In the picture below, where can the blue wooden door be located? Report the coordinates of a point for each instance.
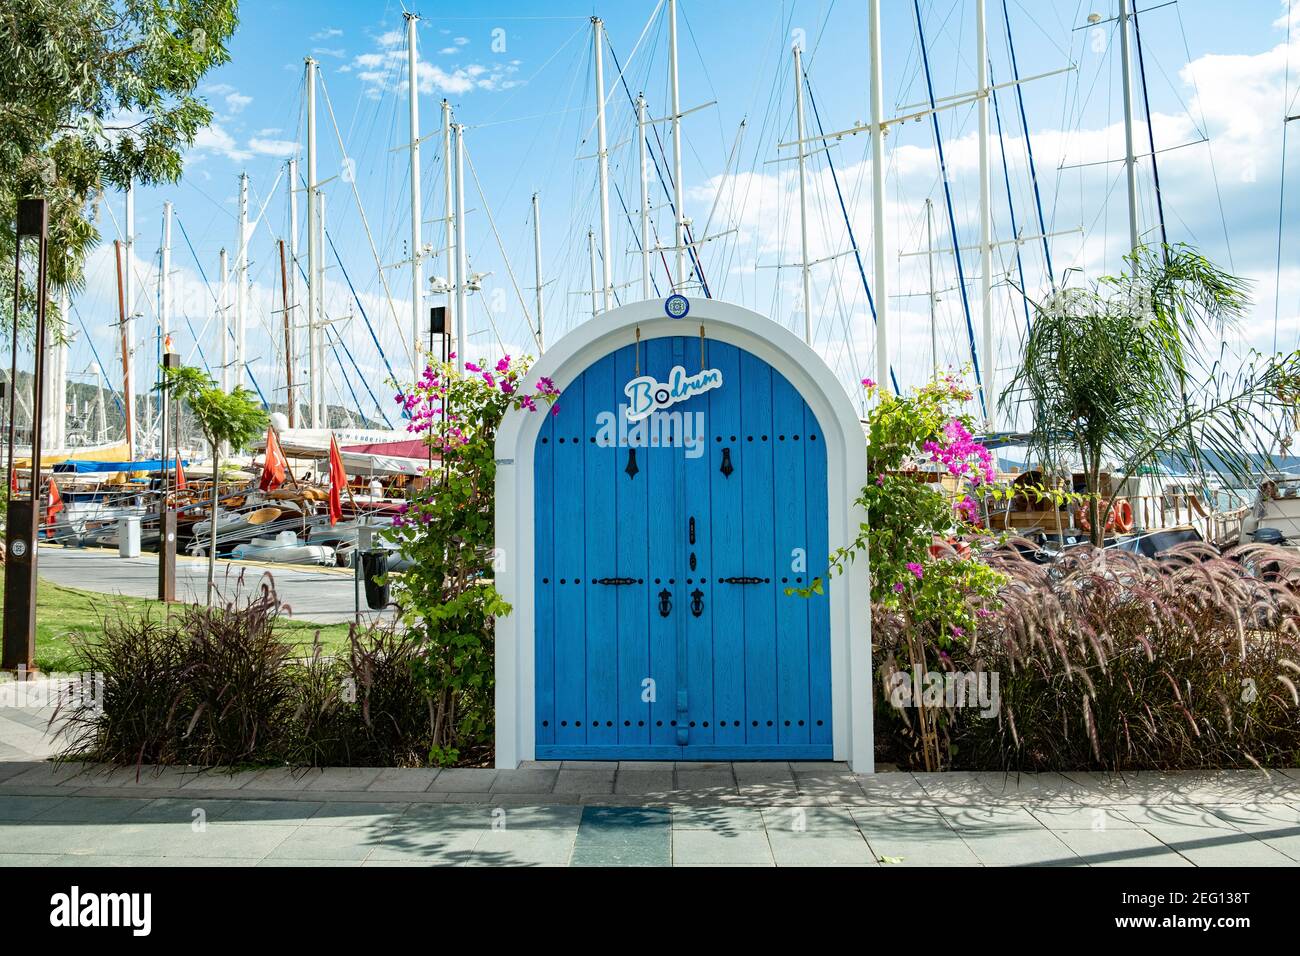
(663, 552)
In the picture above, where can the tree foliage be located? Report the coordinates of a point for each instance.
(95, 94)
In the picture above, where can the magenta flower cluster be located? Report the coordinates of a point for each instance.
(962, 455)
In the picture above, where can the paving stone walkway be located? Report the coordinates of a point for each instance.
(657, 814)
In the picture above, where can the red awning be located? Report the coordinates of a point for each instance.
(409, 448)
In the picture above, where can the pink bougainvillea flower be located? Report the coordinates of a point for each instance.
(958, 631)
(868, 383)
(916, 569)
(898, 588)
(504, 364)
(471, 367)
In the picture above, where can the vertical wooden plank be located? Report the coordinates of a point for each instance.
(754, 469)
(570, 542)
(600, 395)
(791, 557)
(661, 488)
(698, 460)
(819, 619)
(633, 528)
(726, 550)
(544, 586)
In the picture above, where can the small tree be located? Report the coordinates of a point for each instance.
(1133, 367)
(226, 418)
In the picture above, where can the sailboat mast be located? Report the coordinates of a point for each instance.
(313, 252)
(645, 197)
(417, 247)
(448, 206)
(1130, 158)
(241, 278)
(985, 213)
(461, 263)
(929, 256)
(126, 282)
(288, 335)
(320, 410)
(291, 308)
(803, 192)
(223, 320)
(591, 254)
(878, 194)
(537, 272)
(602, 160)
(128, 405)
(679, 231)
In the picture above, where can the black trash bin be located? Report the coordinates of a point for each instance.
(374, 564)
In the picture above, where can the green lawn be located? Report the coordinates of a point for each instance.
(64, 614)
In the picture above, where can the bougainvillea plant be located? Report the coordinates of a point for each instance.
(914, 441)
(445, 529)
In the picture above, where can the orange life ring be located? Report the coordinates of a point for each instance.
(1124, 521)
(1085, 522)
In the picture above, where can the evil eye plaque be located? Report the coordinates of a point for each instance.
(677, 306)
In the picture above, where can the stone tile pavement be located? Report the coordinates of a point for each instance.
(607, 814)
(674, 814)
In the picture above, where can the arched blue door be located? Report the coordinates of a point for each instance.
(663, 552)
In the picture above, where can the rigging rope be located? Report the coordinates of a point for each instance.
(857, 254)
(952, 219)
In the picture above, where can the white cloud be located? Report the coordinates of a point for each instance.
(273, 147)
(327, 34)
(215, 139)
(234, 100)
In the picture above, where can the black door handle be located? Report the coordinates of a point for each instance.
(617, 581)
(697, 602)
(665, 602)
(744, 580)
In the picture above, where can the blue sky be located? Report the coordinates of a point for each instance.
(519, 77)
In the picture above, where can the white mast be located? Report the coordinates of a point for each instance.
(537, 271)
(461, 278)
(934, 299)
(878, 195)
(986, 215)
(291, 399)
(449, 209)
(595, 290)
(128, 292)
(645, 197)
(1130, 160)
(602, 159)
(803, 193)
(680, 223)
(54, 384)
(314, 289)
(320, 410)
(417, 248)
(223, 320)
(99, 401)
(164, 301)
(241, 277)
(165, 278)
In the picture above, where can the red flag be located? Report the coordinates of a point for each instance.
(274, 465)
(180, 476)
(54, 506)
(13, 480)
(338, 481)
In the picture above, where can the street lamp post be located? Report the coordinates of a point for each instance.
(21, 522)
(167, 514)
